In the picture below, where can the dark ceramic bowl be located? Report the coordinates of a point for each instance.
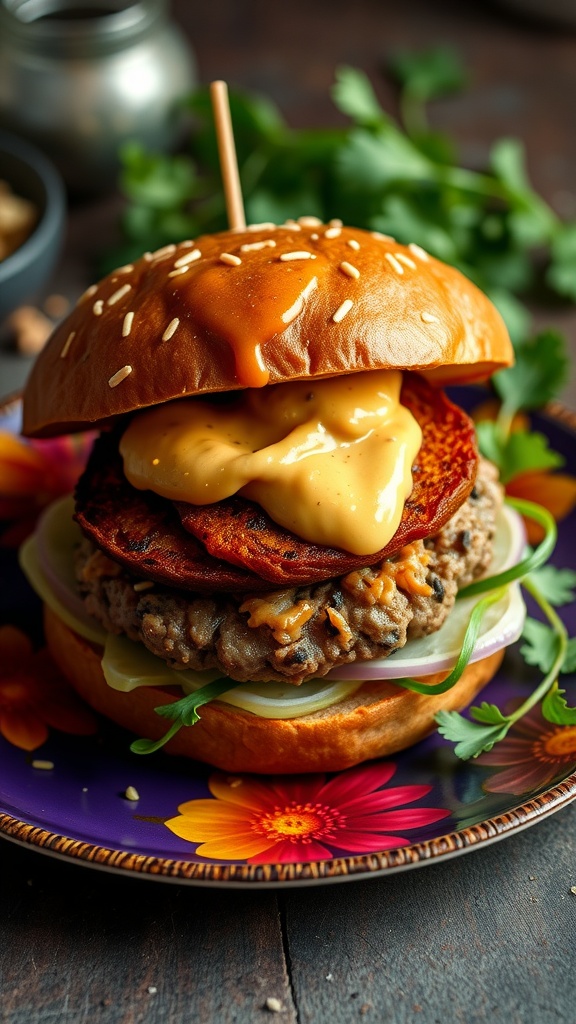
(33, 177)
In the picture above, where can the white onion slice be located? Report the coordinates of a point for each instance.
(79, 621)
(57, 537)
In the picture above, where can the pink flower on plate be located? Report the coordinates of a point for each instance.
(303, 818)
(533, 753)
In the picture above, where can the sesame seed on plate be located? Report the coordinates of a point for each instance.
(44, 766)
(127, 324)
(394, 263)
(131, 793)
(119, 294)
(418, 251)
(342, 311)
(298, 254)
(171, 329)
(188, 257)
(429, 318)
(353, 244)
(119, 376)
(405, 260)
(98, 307)
(67, 344)
(230, 259)
(349, 269)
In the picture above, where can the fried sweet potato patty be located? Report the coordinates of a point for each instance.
(235, 546)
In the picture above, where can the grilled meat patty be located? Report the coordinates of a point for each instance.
(295, 633)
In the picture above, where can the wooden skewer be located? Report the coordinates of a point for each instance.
(227, 153)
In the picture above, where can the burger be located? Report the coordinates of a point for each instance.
(282, 500)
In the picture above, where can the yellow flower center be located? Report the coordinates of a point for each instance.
(560, 744)
(298, 823)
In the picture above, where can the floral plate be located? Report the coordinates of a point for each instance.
(86, 798)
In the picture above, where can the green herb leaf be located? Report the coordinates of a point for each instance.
(541, 369)
(471, 738)
(556, 585)
(184, 712)
(522, 451)
(561, 274)
(353, 95)
(555, 707)
(569, 663)
(429, 74)
(488, 714)
(541, 644)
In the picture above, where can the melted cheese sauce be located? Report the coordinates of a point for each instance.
(329, 460)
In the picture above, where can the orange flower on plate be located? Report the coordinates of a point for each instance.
(34, 696)
(287, 820)
(32, 474)
(534, 753)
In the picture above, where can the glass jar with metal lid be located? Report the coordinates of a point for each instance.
(80, 77)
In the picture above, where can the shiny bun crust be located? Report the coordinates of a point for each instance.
(378, 720)
(240, 308)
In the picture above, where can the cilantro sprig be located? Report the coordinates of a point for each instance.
(546, 645)
(183, 712)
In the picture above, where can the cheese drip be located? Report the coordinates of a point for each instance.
(329, 460)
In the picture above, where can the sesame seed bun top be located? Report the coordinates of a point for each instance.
(267, 304)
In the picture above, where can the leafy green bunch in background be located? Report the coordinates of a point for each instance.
(404, 180)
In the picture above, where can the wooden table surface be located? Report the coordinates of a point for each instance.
(489, 936)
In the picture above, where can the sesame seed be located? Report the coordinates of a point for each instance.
(405, 260)
(297, 306)
(116, 296)
(266, 225)
(187, 243)
(310, 222)
(188, 257)
(292, 225)
(98, 307)
(254, 246)
(155, 462)
(332, 232)
(230, 259)
(394, 263)
(143, 585)
(299, 254)
(335, 222)
(89, 292)
(180, 270)
(342, 311)
(166, 250)
(274, 1005)
(126, 269)
(127, 324)
(171, 329)
(67, 344)
(349, 270)
(429, 318)
(131, 793)
(147, 256)
(353, 244)
(43, 766)
(383, 238)
(418, 251)
(119, 376)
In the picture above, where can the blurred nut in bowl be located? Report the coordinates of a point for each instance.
(32, 220)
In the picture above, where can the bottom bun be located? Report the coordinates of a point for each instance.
(377, 720)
